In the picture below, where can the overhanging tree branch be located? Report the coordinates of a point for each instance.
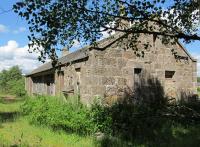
(54, 23)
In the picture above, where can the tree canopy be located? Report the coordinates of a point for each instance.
(54, 24)
(12, 81)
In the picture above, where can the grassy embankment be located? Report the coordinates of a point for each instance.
(16, 131)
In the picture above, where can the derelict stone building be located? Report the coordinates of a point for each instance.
(102, 71)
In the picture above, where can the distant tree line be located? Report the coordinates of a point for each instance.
(12, 81)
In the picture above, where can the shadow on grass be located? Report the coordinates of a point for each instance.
(8, 116)
(171, 137)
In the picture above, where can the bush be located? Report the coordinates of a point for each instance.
(51, 112)
(101, 117)
(128, 122)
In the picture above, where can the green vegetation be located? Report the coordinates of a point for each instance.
(46, 121)
(122, 124)
(49, 111)
(149, 120)
(12, 81)
(16, 130)
(198, 79)
(20, 132)
(10, 107)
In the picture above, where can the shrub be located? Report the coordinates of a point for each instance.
(101, 117)
(52, 112)
(128, 122)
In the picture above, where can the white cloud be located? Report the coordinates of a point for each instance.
(76, 44)
(3, 28)
(19, 30)
(11, 54)
(108, 33)
(105, 34)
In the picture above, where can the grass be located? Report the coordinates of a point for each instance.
(16, 131)
(21, 132)
(11, 107)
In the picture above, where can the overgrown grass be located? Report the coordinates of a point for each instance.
(122, 124)
(11, 107)
(20, 132)
(55, 123)
(17, 131)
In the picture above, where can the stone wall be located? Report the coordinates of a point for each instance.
(77, 80)
(108, 72)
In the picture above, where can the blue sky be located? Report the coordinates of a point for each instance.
(13, 41)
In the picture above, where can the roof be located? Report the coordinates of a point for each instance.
(84, 52)
(79, 54)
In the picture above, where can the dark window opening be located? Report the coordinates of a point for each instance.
(169, 74)
(137, 70)
(78, 72)
(137, 76)
(78, 69)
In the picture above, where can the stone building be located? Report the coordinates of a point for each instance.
(109, 69)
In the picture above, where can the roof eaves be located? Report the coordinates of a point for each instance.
(79, 54)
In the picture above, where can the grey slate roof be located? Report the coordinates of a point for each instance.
(79, 54)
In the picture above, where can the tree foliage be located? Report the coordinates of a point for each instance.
(55, 23)
(12, 81)
(198, 79)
